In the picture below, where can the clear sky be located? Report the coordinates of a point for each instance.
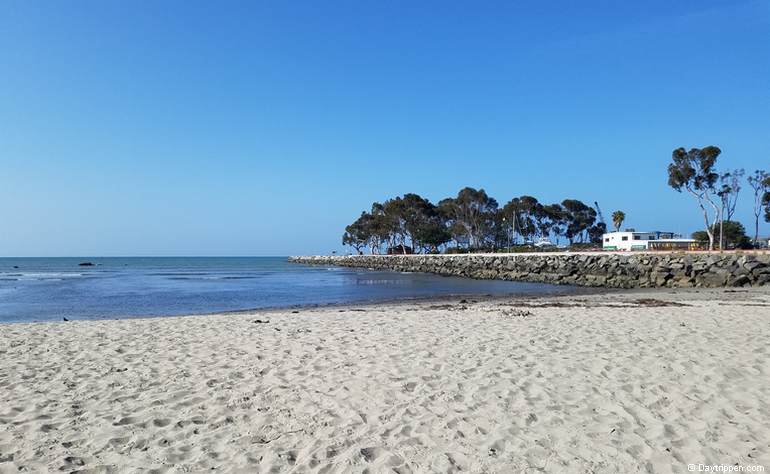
(264, 127)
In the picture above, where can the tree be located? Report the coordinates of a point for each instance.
(393, 213)
(519, 213)
(617, 219)
(542, 220)
(407, 216)
(432, 235)
(596, 231)
(423, 223)
(579, 218)
(446, 212)
(369, 230)
(472, 219)
(694, 172)
(730, 186)
(766, 200)
(760, 183)
(358, 234)
(557, 219)
(472, 211)
(381, 228)
(498, 235)
(734, 234)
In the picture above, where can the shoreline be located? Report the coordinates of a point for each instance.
(565, 291)
(617, 381)
(575, 291)
(396, 303)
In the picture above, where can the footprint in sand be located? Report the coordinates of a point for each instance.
(161, 422)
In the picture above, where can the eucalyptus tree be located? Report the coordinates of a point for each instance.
(530, 208)
(519, 213)
(596, 231)
(579, 219)
(358, 234)
(693, 171)
(760, 183)
(542, 219)
(406, 217)
(422, 222)
(510, 215)
(557, 219)
(766, 198)
(730, 186)
(432, 234)
(381, 228)
(473, 212)
(766, 204)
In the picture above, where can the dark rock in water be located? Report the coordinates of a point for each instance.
(65, 319)
(85, 264)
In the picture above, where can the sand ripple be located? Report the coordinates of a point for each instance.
(593, 384)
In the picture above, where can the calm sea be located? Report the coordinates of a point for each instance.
(46, 289)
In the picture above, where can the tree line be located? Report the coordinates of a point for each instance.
(694, 171)
(470, 221)
(474, 221)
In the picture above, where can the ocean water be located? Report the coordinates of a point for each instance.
(48, 289)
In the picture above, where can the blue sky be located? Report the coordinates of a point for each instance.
(263, 128)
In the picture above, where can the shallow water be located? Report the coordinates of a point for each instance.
(45, 289)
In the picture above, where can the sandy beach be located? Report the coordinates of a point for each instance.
(614, 382)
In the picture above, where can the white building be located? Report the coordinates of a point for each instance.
(631, 240)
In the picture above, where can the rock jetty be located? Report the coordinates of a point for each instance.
(611, 270)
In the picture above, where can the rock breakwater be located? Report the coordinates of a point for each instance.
(611, 270)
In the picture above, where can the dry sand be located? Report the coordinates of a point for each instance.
(620, 382)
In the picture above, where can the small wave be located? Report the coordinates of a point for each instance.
(211, 278)
(174, 274)
(40, 276)
(380, 282)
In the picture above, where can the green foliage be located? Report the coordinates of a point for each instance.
(701, 236)
(596, 231)
(694, 172)
(617, 219)
(729, 187)
(358, 233)
(470, 216)
(522, 214)
(472, 221)
(694, 169)
(766, 196)
(579, 218)
(760, 183)
(734, 234)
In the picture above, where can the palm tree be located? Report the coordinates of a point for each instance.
(617, 219)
